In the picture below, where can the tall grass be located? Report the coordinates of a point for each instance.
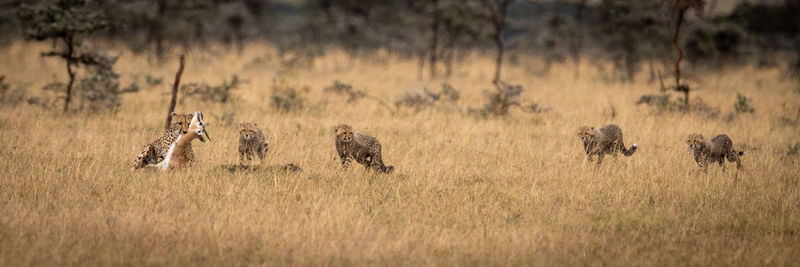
(514, 190)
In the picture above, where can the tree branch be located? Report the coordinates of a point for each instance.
(174, 94)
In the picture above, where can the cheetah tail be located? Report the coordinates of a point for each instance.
(733, 157)
(628, 152)
(387, 169)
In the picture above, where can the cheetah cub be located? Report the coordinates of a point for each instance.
(251, 141)
(365, 149)
(606, 140)
(720, 148)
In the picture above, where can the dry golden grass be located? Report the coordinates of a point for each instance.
(466, 191)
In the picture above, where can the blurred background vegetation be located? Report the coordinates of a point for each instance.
(634, 34)
(668, 40)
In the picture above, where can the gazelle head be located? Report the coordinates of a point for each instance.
(198, 126)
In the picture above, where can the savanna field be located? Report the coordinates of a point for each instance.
(512, 190)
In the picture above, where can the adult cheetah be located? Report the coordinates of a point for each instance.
(155, 151)
(177, 155)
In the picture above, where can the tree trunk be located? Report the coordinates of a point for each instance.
(578, 46)
(435, 38)
(680, 56)
(70, 55)
(174, 94)
(157, 31)
(420, 64)
(498, 41)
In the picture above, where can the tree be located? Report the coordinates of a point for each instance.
(678, 9)
(577, 44)
(631, 32)
(495, 12)
(444, 24)
(64, 22)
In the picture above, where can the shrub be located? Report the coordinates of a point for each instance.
(99, 91)
(226, 118)
(352, 94)
(663, 103)
(416, 98)
(502, 99)
(345, 89)
(286, 98)
(743, 104)
(450, 93)
(148, 80)
(9, 95)
(792, 150)
(219, 93)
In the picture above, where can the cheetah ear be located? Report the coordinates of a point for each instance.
(255, 124)
(241, 125)
(591, 128)
(173, 114)
(333, 128)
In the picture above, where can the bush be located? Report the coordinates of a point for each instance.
(743, 104)
(502, 99)
(148, 80)
(226, 118)
(218, 94)
(792, 150)
(286, 98)
(423, 98)
(416, 98)
(345, 89)
(10, 96)
(99, 91)
(663, 103)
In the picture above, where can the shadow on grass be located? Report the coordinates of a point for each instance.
(288, 168)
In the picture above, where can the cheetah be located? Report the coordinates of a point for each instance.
(177, 155)
(606, 140)
(365, 149)
(155, 151)
(720, 148)
(251, 141)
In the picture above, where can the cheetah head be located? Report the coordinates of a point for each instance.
(247, 129)
(344, 133)
(586, 133)
(694, 141)
(183, 120)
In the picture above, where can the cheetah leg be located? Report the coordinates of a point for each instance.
(242, 163)
(722, 163)
(738, 161)
(376, 164)
(346, 161)
(261, 155)
(600, 158)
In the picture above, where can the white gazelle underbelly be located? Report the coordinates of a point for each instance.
(164, 164)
